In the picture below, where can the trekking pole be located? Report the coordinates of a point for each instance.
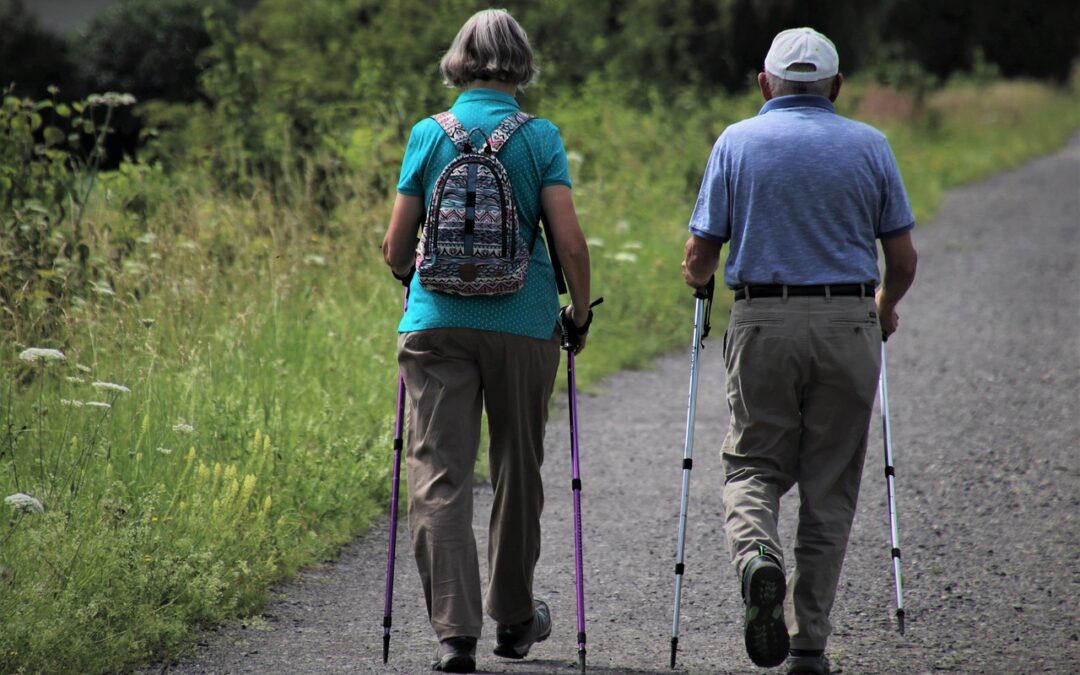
(702, 311)
(890, 491)
(388, 598)
(575, 485)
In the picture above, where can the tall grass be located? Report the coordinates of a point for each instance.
(245, 352)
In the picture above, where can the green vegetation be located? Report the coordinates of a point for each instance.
(222, 411)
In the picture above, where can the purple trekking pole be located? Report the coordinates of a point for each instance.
(399, 421)
(569, 343)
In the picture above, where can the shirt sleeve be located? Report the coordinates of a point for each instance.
(557, 171)
(410, 180)
(710, 217)
(896, 216)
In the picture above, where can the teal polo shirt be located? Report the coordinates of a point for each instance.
(534, 158)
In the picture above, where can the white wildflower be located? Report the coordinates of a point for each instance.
(575, 157)
(146, 238)
(595, 242)
(189, 245)
(147, 323)
(183, 428)
(165, 451)
(624, 256)
(75, 380)
(23, 502)
(316, 260)
(632, 245)
(102, 288)
(71, 403)
(110, 386)
(36, 354)
(98, 404)
(85, 369)
(622, 227)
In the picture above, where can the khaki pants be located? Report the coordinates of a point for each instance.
(451, 374)
(802, 376)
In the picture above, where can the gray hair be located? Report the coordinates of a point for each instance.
(490, 46)
(782, 87)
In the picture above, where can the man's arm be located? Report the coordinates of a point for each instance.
(701, 258)
(900, 262)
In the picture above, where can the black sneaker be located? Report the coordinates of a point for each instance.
(456, 655)
(809, 665)
(514, 642)
(765, 633)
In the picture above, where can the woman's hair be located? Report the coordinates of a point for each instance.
(490, 46)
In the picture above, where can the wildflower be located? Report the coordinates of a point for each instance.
(147, 323)
(622, 227)
(71, 403)
(98, 404)
(625, 256)
(573, 156)
(110, 386)
(165, 451)
(316, 260)
(632, 245)
(85, 369)
(183, 428)
(75, 380)
(21, 501)
(595, 242)
(102, 288)
(36, 354)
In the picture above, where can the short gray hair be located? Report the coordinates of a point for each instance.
(782, 87)
(490, 46)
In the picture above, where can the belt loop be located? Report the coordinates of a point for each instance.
(746, 289)
(828, 293)
(784, 292)
(862, 291)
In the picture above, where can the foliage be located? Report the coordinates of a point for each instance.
(31, 58)
(46, 181)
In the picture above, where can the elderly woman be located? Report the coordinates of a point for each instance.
(462, 354)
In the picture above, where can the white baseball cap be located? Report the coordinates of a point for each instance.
(803, 46)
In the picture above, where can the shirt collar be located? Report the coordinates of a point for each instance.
(481, 94)
(797, 101)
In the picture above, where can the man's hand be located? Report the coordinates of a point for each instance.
(887, 316)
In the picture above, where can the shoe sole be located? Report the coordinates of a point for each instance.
(511, 652)
(766, 633)
(456, 664)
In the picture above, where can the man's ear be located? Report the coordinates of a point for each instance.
(763, 84)
(838, 81)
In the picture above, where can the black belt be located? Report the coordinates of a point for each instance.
(777, 291)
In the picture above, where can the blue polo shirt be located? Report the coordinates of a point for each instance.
(534, 158)
(801, 194)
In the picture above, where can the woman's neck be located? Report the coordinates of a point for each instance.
(504, 87)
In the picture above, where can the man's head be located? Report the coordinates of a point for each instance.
(801, 61)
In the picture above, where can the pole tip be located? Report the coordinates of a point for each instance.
(385, 648)
(674, 648)
(900, 620)
(581, 660)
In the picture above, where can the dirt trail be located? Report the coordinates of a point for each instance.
(985, 394)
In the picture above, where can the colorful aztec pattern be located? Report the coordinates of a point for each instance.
(471, 244)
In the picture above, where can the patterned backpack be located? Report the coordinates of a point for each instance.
(471, 242)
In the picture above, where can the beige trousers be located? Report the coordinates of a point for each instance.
(801, 380)
(451, 375)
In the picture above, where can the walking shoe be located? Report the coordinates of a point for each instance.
(514, 642)
(765, 632)
(808, 665)
(456, 655)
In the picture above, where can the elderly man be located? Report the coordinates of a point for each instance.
(801, 196)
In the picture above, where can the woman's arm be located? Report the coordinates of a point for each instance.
(399, 245)
(570, 246)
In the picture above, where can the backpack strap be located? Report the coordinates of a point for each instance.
(505, 130)
(454, 129)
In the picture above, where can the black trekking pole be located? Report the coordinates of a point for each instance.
(569, 343)
(890, 491)
(702, 312)
(391, 554)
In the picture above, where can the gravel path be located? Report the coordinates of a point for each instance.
(985, 394)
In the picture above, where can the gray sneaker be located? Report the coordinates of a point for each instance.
(514, 642)
(765, 632)
(809, 665)
(456, 655)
